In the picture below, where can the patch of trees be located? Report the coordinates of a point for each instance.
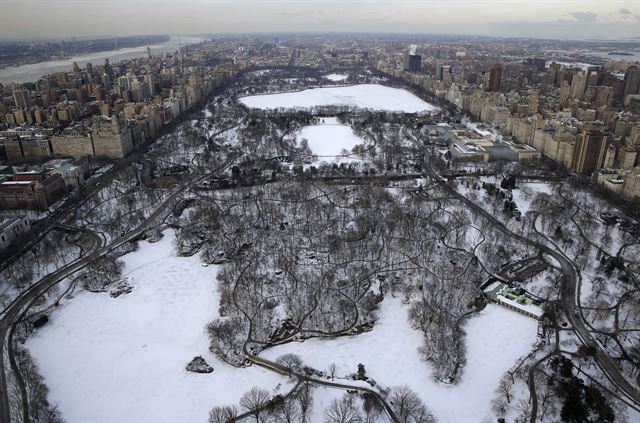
(581, 403)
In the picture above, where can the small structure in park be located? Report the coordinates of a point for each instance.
(514, 298)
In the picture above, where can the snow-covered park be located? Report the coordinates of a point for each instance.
(366, 96)
(328, 138)
(123, 359)
(495, 340)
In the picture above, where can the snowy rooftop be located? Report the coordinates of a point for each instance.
(535, 310)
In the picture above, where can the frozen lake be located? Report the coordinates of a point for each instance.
(328, 138)
(123, 359)
(366, 96)
(496, 339)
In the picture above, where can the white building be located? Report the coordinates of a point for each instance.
(11, 228)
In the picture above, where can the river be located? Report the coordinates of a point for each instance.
(32, 72)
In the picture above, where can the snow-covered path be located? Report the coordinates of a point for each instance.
(496, 339)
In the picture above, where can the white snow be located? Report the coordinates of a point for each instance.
(336, 77)
(123, 359)
(495, 340)
(527, 192)
(368, 96)
(327, 139)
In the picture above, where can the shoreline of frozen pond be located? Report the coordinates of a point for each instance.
(135, 347)
(328, 138)
(367, 96)
(495, 340)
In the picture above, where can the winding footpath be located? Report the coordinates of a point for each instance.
(568, 289)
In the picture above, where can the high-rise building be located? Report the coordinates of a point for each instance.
(631, 187)
(76, 68)
(589, 154)
(631, 81)
(148, 53)
(151, 85)
(107, 67)
(539, 63)
(578, 85)
(495, 78)
(534, 101)
(111, 138)
(89, 69)
(413, 62)
(21, 98)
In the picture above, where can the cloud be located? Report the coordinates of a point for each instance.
(624, 11)
(584, 16)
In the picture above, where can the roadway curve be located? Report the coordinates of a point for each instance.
(18, 307)
(568, 289)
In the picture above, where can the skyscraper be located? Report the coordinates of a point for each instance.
(413, 62)
(631, 81)
(495, 78)
(578, 85)
(107, 67)
(89, 69)
(590, 151)
(21, 98)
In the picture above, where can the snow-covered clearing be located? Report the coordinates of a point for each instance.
(527, 192)
(495, 340)
(336, 77)
(329, 138)
(367, 96)
(123, 359)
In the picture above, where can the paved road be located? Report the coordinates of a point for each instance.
(12, 313)
(567, 290)
(21, 303)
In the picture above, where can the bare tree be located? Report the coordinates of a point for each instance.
(372, 408)
(255, 400)
(305, 401)
(408, 407)
(223, 414)
(504, 387)
(524, 409)
(343, 410)
(332, 370)
(290, 361)
(287, 411)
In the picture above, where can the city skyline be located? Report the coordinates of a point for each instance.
(510, 18)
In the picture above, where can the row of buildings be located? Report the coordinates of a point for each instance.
(38, 187)
(105, 111)
(99, 111)
(580, 118)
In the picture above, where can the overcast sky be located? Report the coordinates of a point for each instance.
(519, 18)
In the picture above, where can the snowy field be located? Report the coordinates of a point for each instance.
(123, 359)
(367, 96)
(329, 138)
(336, 77)
(496, 339)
